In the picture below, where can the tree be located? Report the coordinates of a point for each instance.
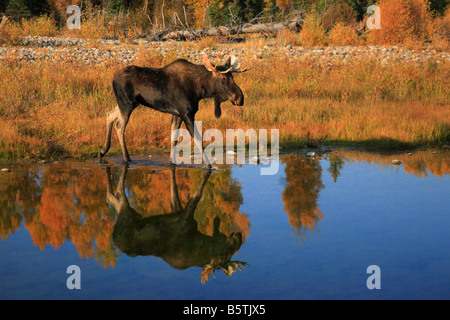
(3, 5)
(438, 6)
(403, 21)
(198, 11)
(38, 7)
(17, 10)
(222, 12)
(59, 7)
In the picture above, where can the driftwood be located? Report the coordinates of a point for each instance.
(264, 28)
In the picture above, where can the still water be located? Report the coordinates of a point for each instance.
(150, 231)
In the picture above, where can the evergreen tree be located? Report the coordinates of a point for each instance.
(117, 5)
(3, 5)
(360, 7)
(17, 10)
(221, 12)
(38, 7)
(438, 6)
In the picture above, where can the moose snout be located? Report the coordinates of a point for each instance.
(237, 99)
(240, 101)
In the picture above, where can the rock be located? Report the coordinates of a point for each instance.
(311, 154)
(89, 51)
(396, 162)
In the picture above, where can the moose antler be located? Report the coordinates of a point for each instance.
(228, 269)
(234, 65)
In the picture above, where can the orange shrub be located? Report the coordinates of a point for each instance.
(289, 37)
(11, 33)
(312, 33)
(440, 38)
(403, 21)
(342, 35)
(41, 26)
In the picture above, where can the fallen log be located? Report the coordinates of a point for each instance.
(265, 28)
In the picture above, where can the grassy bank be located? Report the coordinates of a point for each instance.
(51, 110)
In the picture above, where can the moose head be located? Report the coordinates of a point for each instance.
(224, 86)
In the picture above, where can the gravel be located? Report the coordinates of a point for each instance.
(36, 48)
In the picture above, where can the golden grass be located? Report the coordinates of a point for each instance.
(58, 109)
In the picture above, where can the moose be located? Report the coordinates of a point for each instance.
(174, 237)
(176, 89)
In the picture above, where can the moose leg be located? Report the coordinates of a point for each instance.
(175, 202)
(198, 141)
(120, 131)
(110, 118)
(176, 123)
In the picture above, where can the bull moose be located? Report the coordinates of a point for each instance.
(176, 89)
(174, 237)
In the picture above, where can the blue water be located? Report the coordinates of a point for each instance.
(371, 215)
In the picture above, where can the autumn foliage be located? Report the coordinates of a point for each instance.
(403, 21)
(342, 35)
(409, 22)
(313, 33)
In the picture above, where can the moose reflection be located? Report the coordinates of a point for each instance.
(175, 237)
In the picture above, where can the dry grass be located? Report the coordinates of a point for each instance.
(53, 110)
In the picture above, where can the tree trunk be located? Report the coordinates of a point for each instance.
(265, 28)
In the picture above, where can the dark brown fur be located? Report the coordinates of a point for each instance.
(176, 89)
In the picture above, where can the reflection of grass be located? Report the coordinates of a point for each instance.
(58, 109)
(420, 163)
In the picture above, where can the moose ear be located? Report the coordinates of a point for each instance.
(217, 109)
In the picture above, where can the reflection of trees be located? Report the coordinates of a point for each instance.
(59, 202)
(300, 195)
(197, 226)
(336, 165)
(19, 193)
(70, 209)
(65, 201)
